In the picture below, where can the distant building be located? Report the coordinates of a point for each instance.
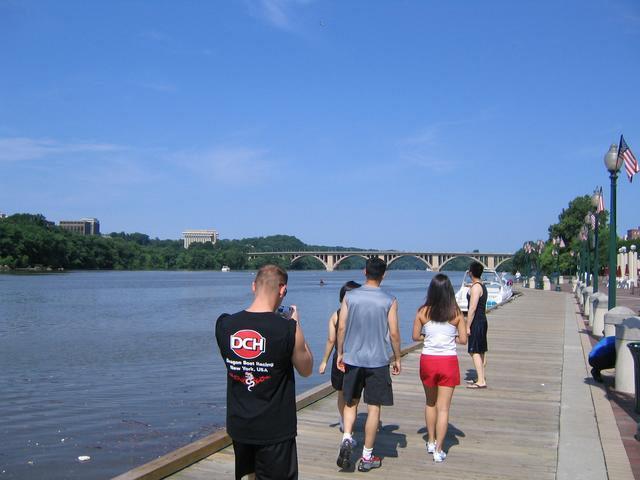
(199, 236)
(3, 215)
(633, 234)
(84, 226)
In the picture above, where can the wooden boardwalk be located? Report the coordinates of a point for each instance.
(510, 430)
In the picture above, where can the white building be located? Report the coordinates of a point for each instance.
(199, 236)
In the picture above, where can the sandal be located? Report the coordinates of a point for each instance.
(476, 386)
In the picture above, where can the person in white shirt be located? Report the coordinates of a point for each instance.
(439, 323)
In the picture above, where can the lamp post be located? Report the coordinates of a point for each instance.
(587, 242)
(584, 268)
(559, 243)
(613, 163)
(595, 201)
(633, 268)
(527, 263)
(555, 252)
(572, 254)
(538, 248)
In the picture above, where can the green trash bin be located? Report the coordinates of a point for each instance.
(634, 347)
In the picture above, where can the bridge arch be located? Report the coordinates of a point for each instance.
(298, 257)
(503, 261)
(472, 257)
(341, 259)
(427, 264)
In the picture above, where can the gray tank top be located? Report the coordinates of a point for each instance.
(366, 341)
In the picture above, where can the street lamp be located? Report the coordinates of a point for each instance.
(633, 268)
(587, 224)
(613, 163)
(584, 267)
(538, 248)
(558, 242)
(595, 201)
(555, 252)
(572, 254)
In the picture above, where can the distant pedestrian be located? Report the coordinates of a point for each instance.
(336, 375)
(368, 338)
(260, 348)
(440, 324)
(477, 324)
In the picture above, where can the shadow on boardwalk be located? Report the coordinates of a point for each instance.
(510, 430)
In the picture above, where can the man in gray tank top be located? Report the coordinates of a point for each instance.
(368, 338)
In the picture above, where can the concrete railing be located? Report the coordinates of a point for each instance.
(586, 291)
(598, 308)
(615, 316)
(626, 332)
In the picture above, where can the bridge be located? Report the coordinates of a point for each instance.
(432, 261)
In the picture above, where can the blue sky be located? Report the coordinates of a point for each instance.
(412, 125)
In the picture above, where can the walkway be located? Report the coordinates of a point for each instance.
(536, 420)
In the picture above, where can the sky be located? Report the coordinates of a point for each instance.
(408, 125)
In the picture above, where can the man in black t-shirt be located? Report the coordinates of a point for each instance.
(260, 348)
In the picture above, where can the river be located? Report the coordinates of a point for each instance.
(122, 367)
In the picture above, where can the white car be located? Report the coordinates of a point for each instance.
(498, 289)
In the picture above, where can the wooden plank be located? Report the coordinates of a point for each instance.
(200, 449)
(508, 431)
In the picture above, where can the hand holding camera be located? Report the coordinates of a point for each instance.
(288, 312)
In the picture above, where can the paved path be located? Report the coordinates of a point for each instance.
(536, 420)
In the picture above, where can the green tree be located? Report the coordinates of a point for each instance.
(570, 222)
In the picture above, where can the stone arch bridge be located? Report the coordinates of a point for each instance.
(432, 261)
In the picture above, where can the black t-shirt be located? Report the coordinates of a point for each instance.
(261, 398)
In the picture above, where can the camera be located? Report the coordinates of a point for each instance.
(285, 311)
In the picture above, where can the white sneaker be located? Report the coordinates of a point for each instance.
(431, 447)
(439, 457)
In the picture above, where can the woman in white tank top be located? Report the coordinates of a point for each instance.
(440, 325)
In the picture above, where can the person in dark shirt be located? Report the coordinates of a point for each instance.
(260, 349)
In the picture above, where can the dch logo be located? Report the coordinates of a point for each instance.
(248, 344)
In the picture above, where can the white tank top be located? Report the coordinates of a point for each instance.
(439, 338)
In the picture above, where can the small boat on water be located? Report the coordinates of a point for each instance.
(498, 289)
(225, 268)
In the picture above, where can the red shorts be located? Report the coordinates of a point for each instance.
(439, 370)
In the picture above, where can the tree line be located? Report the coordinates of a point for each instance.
(28, 240)
(570, 222)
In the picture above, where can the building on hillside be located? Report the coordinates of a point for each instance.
(199, 236)
(633, 234)
(84, 226)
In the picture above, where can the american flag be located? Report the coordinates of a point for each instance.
(592, 220)
(630, 162)
(600, 202)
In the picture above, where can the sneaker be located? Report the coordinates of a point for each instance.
(344, 457)
(597, 376)
(431, 447)
(366, 465)
(439, 457)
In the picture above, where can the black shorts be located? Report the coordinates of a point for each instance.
(376, 383)
(337, 376)
(274, 461)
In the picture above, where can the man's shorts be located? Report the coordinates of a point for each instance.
(376, 383)
(275, 461)
(439, 370)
